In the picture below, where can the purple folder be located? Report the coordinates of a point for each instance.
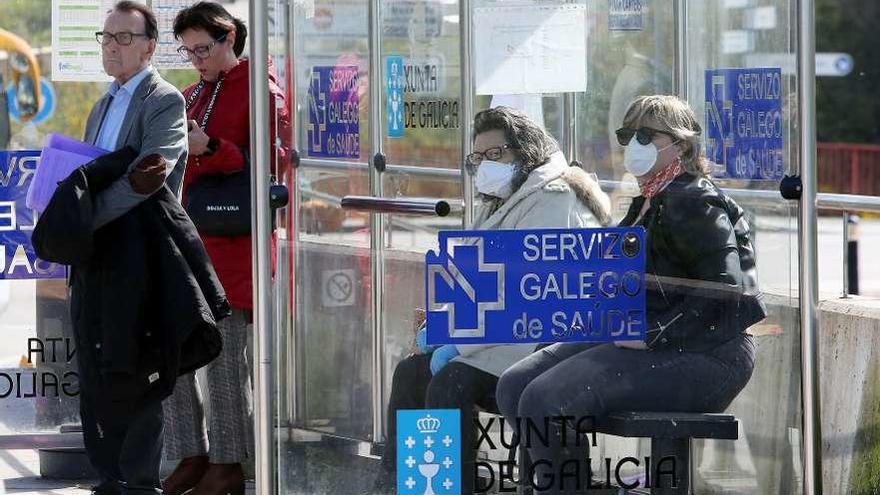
(61, 155)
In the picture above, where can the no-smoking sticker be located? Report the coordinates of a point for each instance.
(337, 288)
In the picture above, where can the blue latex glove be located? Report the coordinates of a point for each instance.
(442, 356)
(422, 341)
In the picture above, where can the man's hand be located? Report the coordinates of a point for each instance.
(198, 140)
(148, 175)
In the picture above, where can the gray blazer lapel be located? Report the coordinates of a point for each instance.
(134, 108)
(93, 126)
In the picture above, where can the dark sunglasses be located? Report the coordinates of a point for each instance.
(644, 135)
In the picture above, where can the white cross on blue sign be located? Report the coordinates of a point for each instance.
(744, 125)
(429, 452)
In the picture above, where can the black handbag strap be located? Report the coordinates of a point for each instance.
(195, 94)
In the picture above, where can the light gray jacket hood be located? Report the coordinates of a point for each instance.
(555, 196)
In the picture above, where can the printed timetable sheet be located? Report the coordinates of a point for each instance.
(166, 56)
(76, 53)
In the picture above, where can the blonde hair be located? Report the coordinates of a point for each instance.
(672, 115)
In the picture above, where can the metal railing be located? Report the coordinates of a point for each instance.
(846, 204)
(412, 206)
(853, 168)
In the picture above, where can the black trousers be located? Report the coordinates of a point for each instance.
(123, 442)
(455, 386)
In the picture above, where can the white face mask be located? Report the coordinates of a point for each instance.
(640, 158)
(494, 178)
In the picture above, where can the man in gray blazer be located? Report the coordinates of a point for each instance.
(145, 112)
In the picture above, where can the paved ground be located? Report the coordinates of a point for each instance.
(19, 475)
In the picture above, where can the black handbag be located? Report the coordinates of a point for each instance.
(219, 205)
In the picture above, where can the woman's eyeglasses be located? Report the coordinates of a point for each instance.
(123, 38)
(200, 52)
(477, 157)
(644, 135)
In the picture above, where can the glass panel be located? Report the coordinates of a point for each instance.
(420, 39)
(333, 245)
(431, 82)
(324, 354)
(335, 122)
(765, 458)
(622, 64)
(334, 294)
(38, 380)
(408, 238)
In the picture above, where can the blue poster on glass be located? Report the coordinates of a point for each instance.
(17, 258)
(334, 112)
(626, 15)
(429, 451)
(394, 89)
(528, 286)
(744, 123)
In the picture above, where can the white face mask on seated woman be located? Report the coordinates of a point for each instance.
(495, 178)
(640, 158)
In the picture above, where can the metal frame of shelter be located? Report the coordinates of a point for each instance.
(268, 403)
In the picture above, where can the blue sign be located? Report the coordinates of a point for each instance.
(744, 122)
(47, 102)
(17, 221)
(626, 15)
(394, 88)
(527, 286)
(334, 112)
(429, 452)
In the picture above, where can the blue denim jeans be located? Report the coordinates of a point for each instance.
(592, 380)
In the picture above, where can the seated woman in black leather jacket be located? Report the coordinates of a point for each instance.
(701, 297)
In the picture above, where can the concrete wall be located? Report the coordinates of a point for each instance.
(850, 367)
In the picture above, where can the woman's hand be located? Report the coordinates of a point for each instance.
(637, 345)
(422, 341)
(441, 356)
(198, 140)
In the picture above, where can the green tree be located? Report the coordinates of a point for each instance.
(30, 19)
(848, 108)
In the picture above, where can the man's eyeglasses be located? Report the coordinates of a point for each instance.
(477, 157)
(644, 135)
(123, 38)
(200, 52)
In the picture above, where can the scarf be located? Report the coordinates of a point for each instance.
(660, 179)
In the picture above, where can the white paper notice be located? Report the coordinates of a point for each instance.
(166, 56)
(530, 49)
(76, 55)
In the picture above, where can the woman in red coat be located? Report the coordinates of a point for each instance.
(219, 135)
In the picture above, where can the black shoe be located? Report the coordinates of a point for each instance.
(107, 488)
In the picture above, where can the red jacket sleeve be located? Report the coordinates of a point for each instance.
(279, 127)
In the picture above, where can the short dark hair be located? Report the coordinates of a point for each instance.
(214, 19)
(151, 27)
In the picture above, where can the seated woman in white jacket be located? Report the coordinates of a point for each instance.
(524, 182)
